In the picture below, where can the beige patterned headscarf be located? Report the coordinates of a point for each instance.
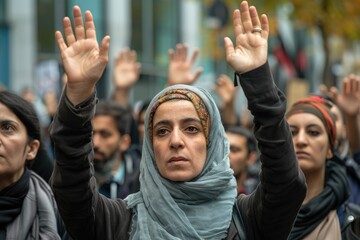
(183, 94)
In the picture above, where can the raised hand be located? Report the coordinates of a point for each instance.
(179, 70)
(224, 87)
(84, 61)
(349, 97)
(126, 69)
(251, 47)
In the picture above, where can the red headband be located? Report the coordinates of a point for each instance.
(320, 107)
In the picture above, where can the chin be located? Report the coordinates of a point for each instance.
(179, 177)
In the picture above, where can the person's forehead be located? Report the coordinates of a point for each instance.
(105, 121)
(305, 119)
(236, 138)
(175, 108)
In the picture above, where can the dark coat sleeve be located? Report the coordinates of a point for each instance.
(270, 211)
(86, 214)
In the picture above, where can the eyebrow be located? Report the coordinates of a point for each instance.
(6, 121)
(307, 126)
(184, 120)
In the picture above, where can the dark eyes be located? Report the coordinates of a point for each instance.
(192, 129)
(164, 131)
(313, 133)
(161, 131)
(6, 127)
(309, 132)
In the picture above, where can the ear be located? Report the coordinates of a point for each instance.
(124, 143)
(251, 158)
(33, 148)
(329, 154)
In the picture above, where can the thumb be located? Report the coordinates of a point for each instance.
(229, 46)
(104, 49)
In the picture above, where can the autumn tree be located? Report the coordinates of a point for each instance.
(332, 17)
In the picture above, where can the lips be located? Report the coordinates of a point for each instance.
(177, 159)
(302, 154)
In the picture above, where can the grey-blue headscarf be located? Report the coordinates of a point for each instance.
(197, 209)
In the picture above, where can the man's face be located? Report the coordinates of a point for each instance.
(106, 137)
(239, 155)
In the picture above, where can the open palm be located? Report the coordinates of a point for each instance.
(84, 61)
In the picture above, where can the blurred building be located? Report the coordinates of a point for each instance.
(29, 55)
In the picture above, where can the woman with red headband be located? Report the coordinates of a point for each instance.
(314, 134)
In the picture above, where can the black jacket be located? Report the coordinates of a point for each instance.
(268, 213)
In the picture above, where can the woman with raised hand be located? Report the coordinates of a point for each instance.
(187, 190)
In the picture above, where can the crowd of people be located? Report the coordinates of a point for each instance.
(179, 165)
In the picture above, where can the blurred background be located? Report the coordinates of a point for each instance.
(311, 42)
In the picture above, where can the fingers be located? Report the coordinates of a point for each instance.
(171, 54)
(333, 94)
(104, 49)
(181, 52)
(69, 35)
(197, 73)
(324, 89)
(255, 21)
(60, 41)
(79, 27)
(194, 56)
(245, 17)
(237, 24)
(351, 85)
(265, 25)
(229, 47)
(90, 26)
(78, 23)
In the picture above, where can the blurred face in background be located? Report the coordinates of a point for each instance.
(106, 138)
(240, 158)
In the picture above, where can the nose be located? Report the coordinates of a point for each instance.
(96, 139)
(300, 138)
(176, 139)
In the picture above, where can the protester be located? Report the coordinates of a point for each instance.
(116, 159)
(126, 73)
(187, 187)
(314, 135)
(230, 98)
(27, 207)
(243, 158)
(348, 100)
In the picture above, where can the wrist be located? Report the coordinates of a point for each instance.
(78, 93)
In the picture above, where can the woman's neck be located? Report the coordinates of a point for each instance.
(315, 184)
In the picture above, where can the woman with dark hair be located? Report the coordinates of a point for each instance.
(314, 135)
(27, 207)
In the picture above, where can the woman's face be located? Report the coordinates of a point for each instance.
(14, 147)
(311, 141)
(179, 141)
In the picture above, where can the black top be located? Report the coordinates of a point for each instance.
(268, 213)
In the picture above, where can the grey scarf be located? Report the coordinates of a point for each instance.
(37, 219)
(198, 209)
